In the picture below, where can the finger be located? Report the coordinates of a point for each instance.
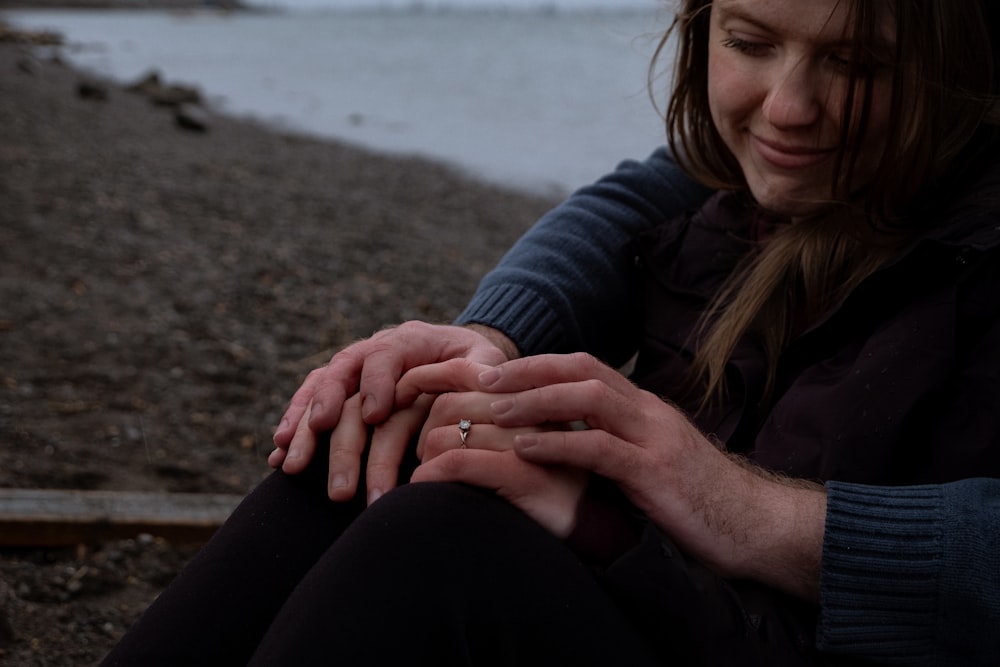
(289, 422)
(373, 366)
(333, 384)
(301, 448)
(593, 450)
(592, 402)
(478, 467)
(276, 458)
(453, 375)
(393, 351)
(370, 367)
(387, 359)
(388, 447)
(480, 436)
(451, 408)
(347, 443)
(548, 496)
(541, 370)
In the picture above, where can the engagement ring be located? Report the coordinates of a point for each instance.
(463, 428)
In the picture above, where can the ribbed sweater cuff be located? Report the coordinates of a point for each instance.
(882, 553)
(520, 313)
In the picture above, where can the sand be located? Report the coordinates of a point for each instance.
(162, 293)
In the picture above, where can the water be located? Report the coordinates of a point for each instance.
(544, 100)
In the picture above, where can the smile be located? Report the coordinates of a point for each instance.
(784, 156)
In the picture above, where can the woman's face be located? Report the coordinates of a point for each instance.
(777, 84)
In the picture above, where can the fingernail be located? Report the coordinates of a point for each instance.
(368, 406)
(489, 377)
(282, 427)
(502, 406)
(374, 495)
(316, 408)
(339, 481)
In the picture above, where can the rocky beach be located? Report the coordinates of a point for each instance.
(167, 278)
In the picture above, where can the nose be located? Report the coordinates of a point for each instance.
(793, 100)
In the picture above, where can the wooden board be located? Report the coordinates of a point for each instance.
(56, 517)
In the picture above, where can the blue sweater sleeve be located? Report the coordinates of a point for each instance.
(568, 284)
(911, 575)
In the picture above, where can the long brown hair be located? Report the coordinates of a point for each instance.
(943, 88)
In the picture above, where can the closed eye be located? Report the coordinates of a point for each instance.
(746, 47)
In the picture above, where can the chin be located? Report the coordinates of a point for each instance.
(790, 203)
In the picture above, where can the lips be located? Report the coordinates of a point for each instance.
(787, 156)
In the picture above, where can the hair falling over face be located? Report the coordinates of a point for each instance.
(937, 57)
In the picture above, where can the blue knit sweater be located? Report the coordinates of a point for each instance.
(910, 575)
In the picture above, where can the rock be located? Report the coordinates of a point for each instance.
(175, 95)
(192, 117)
(163, 94)
(146, 84)
(92, 90)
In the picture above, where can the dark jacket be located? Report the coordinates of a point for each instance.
(899, 384)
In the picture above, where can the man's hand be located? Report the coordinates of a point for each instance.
(356, 390)
(742, 521)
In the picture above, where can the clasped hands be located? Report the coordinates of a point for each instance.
(422, 379)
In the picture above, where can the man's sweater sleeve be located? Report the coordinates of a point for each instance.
(911, 575)
(568, 284)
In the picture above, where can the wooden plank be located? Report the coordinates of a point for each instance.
(56, 517)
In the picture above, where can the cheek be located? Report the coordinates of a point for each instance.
(731, 101)
(724, 91)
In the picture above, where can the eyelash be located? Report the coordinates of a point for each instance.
(745, 47)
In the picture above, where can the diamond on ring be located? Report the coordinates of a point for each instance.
(463, 428)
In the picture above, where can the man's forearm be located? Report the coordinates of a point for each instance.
(498, 338)
(568, 283)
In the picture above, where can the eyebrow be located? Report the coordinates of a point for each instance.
(734, 10)
(729, 11)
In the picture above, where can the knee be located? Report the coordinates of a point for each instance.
(438, 525)
(439, 509)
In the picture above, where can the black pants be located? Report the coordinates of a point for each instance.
(435, 574)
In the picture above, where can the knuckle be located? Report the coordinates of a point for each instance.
(380, 469)
(341, 457)
(450, 465)
(585, 362)
(434, 446)
(351, 355)
(593, 390)
(446, 405)
(609, 448)
(413, 328)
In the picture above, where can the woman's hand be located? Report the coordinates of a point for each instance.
(548, 494)
(356, 390)
(738, 519)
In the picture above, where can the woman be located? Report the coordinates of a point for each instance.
(811, 127)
